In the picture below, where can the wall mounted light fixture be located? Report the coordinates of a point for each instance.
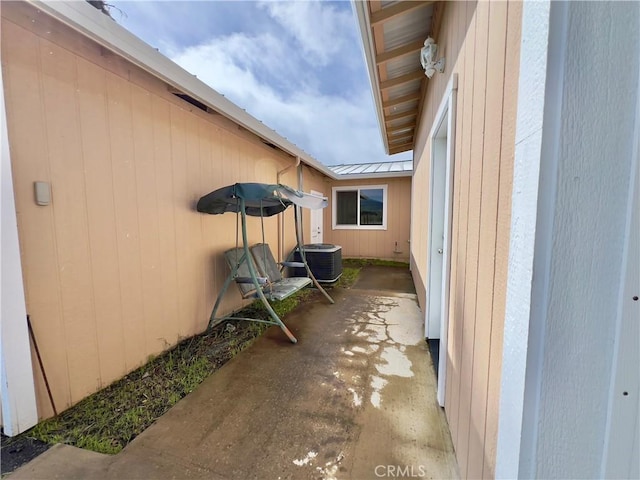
(428, 58)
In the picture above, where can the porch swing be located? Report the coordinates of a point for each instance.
(254, 269)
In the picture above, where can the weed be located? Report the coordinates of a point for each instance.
(349, 277)
(174, 398)
(98, 444)
(363, 262)
(109, 419)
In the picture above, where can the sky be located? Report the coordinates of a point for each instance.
(296, 66)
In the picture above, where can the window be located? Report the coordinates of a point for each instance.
(363, 207)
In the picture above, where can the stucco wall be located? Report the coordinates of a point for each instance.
(120, 266)
(586, 231)
(480, 42)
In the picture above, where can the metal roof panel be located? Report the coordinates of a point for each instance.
(407, 28)
(399, 166)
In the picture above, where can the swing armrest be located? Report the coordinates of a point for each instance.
(292, 264)
(261, 280)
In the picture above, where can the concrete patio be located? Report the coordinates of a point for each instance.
(355, 398)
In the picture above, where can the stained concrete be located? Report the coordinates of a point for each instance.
(355, 398)
(385, 279)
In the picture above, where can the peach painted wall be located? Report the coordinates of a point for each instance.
(119, 266)
(389, 244)
(481, 44)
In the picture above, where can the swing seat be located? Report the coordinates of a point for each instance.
(274, 285)
(278, 287)
(260, 200)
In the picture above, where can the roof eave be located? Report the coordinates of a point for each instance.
(93, 24)
(364, 25)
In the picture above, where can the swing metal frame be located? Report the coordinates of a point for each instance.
(259, 282)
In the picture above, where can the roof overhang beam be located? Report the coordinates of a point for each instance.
(400, 100)
(407, 49)
(400, 116)
(393, 11)
(402, 79)
(401, 148)
(400, 128)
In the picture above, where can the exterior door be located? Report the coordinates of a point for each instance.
(316, 222)
(439, 240)
(436, 247)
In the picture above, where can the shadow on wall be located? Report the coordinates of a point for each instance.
(452, 55)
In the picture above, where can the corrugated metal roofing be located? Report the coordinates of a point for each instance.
(406, 28)
(392, 34)
(380, 168)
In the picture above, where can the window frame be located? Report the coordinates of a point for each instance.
(358, 188)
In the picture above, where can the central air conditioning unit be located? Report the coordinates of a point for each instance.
(324, 260)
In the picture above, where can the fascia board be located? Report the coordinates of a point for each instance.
(361, 13)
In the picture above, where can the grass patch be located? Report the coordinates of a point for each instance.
(363, 262)
(108, 420)
(281, 307)
(349, 276)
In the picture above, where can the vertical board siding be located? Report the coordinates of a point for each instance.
(466, 420)
(375, 243)
(24, 104)
(503, 227)
(497, 22)
(105, 272)
(70, 222)
(145, 176)
(457, 242)
(127, 228)
(120, 266)
(481, 41)
(458, 261)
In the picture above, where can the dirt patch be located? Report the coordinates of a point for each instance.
(17, 451)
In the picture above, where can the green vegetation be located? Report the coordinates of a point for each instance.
(349, 277)
(108, 420)
(282, 307)
(363, 262)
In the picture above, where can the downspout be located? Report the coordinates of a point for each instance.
(280, 220)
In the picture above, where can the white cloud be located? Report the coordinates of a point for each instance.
(332, 128)
(296, 66)
(320, 29)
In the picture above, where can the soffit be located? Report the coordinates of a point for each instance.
(393, 33)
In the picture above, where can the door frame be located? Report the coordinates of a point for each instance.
(446, 111)
(17, 383)
(319, 216)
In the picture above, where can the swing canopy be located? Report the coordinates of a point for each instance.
(260, 199)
